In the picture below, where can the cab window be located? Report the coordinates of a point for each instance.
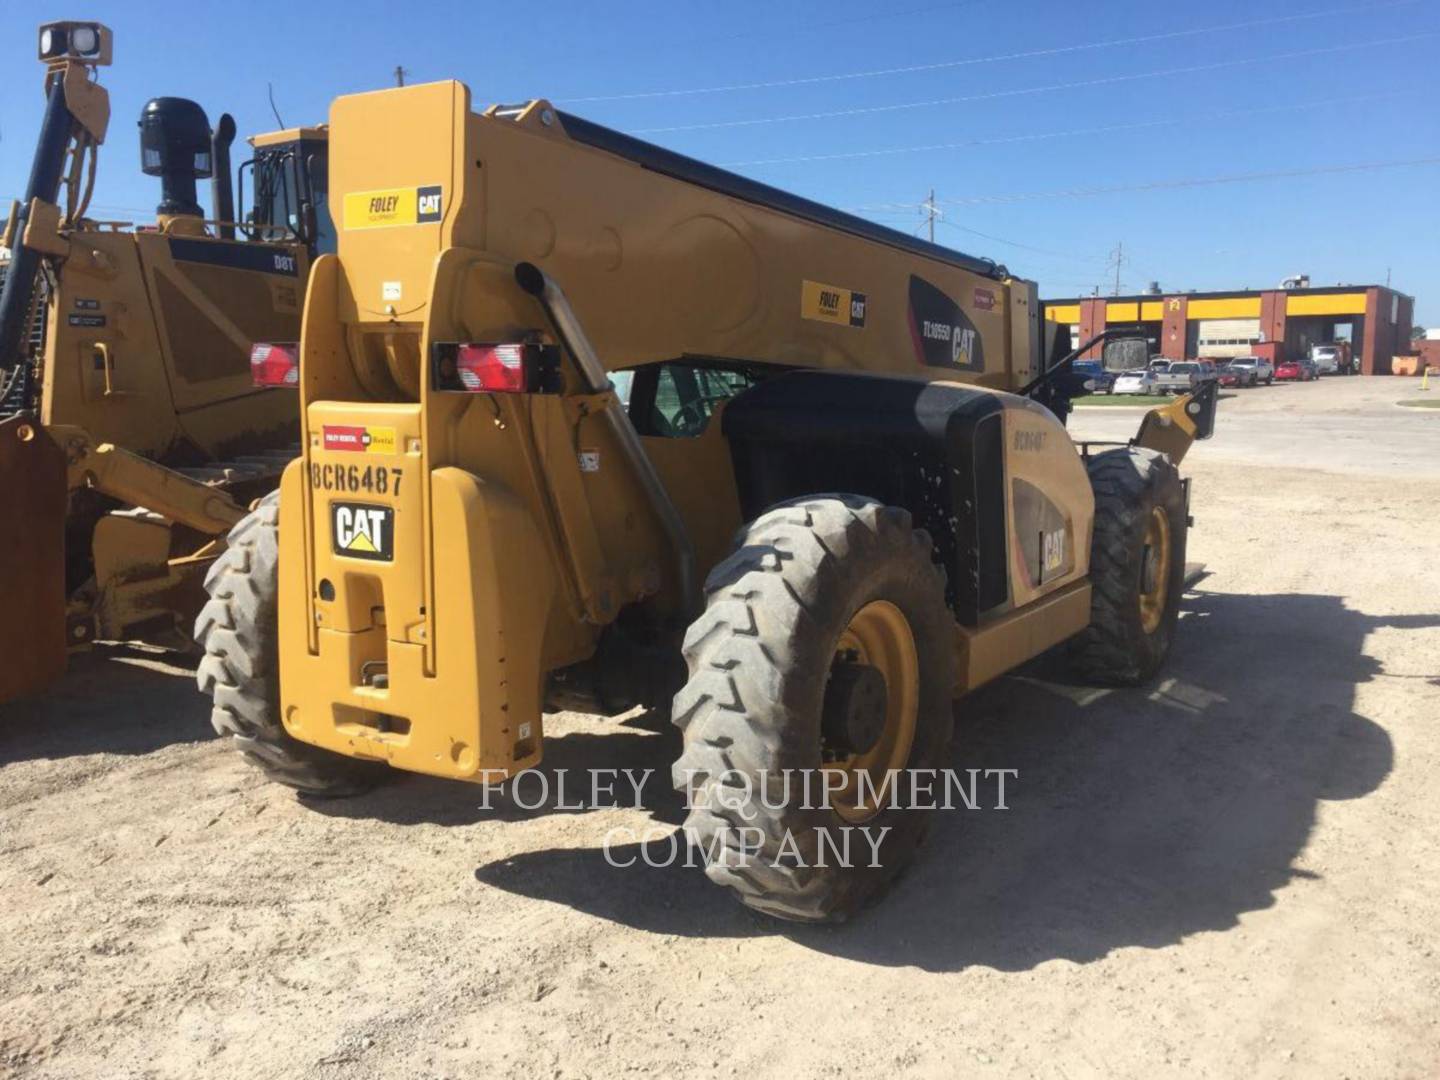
(291, 189)
(677, 400)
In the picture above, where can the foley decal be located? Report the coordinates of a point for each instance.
(362, 531)
(394, 206)
(360, 440)
(941, 332)
(832, 304)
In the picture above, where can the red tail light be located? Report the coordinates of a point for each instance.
(503, 368)
(496, 368)
(275, 365)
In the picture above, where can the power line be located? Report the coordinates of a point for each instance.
(1034, 136)
(993, 59)
(886, 209)
(1188, 182)
(992, 95)
(710, 40)
(1021, 246)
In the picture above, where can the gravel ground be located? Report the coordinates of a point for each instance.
(1229, 873)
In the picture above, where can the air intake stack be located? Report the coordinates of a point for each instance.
(175, 146)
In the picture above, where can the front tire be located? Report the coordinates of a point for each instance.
(238, 628)
(1137, 567)
(815, 588)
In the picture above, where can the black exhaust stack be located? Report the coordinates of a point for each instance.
(222, 194)
(175, 146)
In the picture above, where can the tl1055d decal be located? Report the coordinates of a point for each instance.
(942, 333)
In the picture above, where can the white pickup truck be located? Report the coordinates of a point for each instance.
(1179, 376)
(1331, 359)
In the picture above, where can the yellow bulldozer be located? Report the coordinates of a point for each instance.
(132, 436)
(589, 425)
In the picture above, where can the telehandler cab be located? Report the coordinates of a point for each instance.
(589, 425)
(131, 435)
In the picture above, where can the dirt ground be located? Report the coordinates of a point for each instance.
(1231, 873)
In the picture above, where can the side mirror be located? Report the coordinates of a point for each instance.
(1125, 353)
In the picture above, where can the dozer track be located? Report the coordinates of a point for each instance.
(245, 469)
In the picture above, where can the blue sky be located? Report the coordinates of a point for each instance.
(1319, 85)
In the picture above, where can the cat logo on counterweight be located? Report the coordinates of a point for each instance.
(363, 531)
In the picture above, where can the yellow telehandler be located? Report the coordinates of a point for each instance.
(132, 436)
(587, 425)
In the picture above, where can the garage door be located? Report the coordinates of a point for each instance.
(1227, 337)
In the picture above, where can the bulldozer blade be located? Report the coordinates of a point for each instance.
(32, 558)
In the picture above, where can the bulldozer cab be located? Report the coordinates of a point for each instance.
(288, 183)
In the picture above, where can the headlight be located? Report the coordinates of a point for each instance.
(88, 42)
(84, 40)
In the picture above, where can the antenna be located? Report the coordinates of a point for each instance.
(400, 74)
(270, 89)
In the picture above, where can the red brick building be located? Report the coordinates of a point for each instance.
(1374, 319)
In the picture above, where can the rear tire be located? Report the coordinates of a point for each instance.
(238, 628)
(1135, 601)
(760, 658)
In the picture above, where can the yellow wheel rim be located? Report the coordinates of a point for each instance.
(1155, 570)
(879, 634)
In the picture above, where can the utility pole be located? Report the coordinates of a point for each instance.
(400, 74)
(1119, 256)
(932, 212)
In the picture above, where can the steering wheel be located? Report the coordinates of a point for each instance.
(691, 418)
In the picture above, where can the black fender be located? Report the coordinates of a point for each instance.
(935, 449)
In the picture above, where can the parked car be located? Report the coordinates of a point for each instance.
(1134, 382)
(1259, 369)
(1095, 372)
(1179, 377)
(1294, 368)
(1226, 374)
